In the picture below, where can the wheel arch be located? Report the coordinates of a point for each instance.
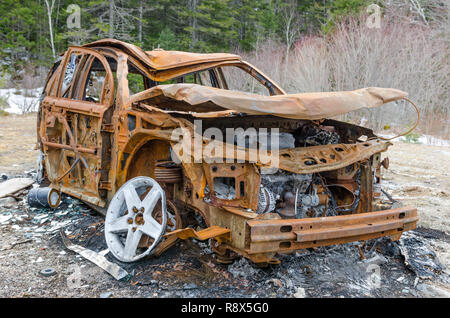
(139, 156)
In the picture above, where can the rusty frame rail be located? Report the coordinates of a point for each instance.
(292, 234)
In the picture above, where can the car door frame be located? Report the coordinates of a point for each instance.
(56, 110)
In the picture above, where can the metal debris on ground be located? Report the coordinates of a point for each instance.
(16, 243)
(7, 202)
(12, 186)
(115, 270)
(187, 270)
(5, 218)
(47, 272)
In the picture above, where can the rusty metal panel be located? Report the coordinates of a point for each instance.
(291, 234)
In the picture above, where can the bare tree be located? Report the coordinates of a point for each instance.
(50, 5)
(406, 54)
(141, 13)
(193, 23)
(119, 19)
(291, 26)
(419, 10)
(111, 18)
(142, 10)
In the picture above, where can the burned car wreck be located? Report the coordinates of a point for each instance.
(139, 136)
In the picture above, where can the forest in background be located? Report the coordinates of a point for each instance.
(304, 45)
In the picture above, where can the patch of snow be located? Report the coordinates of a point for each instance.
(434, 141)
(386, 135)
(423, 139)
(17, 102)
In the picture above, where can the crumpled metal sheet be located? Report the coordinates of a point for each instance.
(162, 59)
(310, 106)
(97, 258)
(11, 186)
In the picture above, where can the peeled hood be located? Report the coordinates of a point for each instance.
(197, 98)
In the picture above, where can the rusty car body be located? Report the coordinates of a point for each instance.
(106, 131)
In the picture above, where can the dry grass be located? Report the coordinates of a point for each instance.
(17, 142)
(418, 176)
(409, 56)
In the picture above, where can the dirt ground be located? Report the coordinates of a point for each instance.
(17, 143)
(416, 266)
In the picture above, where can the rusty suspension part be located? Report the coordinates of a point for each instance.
(166, 172)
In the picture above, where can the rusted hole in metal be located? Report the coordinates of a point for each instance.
(131, 122)
(314, 242)
(332, 156)
(286, 155)
(369, 224)
(323, 160)
(366, 145)
(310, 162)
(214, 168)
(286, 228)
(338, 149)
(400, 229)
(233, 167)
(225, 188)
(401, 215)
(285, 244)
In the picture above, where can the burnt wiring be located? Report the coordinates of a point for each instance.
(317, 136)
(334, 208)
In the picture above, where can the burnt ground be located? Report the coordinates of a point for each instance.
(31, 242)
(415, 266)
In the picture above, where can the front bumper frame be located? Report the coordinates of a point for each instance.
(266, 236)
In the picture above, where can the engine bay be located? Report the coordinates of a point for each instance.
(346, 190)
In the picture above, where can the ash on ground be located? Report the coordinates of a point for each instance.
(410, 267)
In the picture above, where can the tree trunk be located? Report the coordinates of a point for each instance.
(111, 18)
(140, 22)
(50, 25)
(194, 24)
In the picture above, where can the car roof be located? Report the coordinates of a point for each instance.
(159, 59)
